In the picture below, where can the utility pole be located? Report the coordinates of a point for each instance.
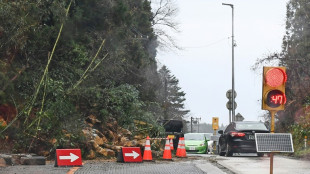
(195, 120)
(191, 124)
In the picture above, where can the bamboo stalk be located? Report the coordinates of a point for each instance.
(47, 66)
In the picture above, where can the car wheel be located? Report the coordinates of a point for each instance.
(219, 151)
(228, 151)
(260, 154)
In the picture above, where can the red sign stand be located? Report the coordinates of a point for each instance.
(132, 154)
(68, 157)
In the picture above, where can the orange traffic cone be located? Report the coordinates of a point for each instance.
(147, 156)
(167, 151)
(182, 152)
(171, 144)
(179, 147)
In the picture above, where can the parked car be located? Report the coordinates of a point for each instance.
(210, 142)
(196, 142)
(239, 137)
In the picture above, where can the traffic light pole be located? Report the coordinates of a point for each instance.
(272, 113)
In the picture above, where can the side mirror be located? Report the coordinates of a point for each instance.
(220, 131)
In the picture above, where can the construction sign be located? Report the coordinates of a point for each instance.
(68, 157)
(132, 154)
(215, 123)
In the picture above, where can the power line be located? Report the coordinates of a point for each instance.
(208, 45)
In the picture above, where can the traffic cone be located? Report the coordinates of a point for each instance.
(179, 146)
(171, 144)
(182, 152)
(147, 155)
(167, 151)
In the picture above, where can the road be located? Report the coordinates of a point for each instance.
(193, 164)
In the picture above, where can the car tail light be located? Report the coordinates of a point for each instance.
(237, 134)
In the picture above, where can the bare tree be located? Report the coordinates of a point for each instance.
(164, 24)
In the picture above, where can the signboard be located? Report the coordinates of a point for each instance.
(274, 142)
(215, 123)
(68, 157)
(132, 154)
(171, 136)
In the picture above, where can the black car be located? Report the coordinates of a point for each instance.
(239, 137)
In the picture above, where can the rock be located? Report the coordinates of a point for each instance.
(110, 135)
(130, 143)
(44, 153)
(33, 160)
(98, 140)
(95, 145)
(87, 132)
(102, 151)
(118, 148)
(91, 155)
(139, 137)
(123, 141)
(2, 162)
(125, 132)
(5, 160)
(110, 153)
(16, 158)
(141, 143)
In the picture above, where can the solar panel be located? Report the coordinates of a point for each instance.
(274, 142)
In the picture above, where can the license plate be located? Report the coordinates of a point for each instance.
(191, 148)
(251, 137)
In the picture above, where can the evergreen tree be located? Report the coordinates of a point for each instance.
(295, 56)
(171, 96)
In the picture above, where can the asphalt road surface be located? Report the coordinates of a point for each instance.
(193, 164)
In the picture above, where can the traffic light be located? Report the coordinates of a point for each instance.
(274, 79)
(215, 123)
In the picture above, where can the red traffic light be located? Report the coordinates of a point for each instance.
(275, 77)
(275, 98)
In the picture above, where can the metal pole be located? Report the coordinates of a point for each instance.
(191, 124)
(272, 113)
(229, 117)
(198, 125)
(232, 63)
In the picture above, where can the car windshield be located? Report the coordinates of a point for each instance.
(208, 136)
(251, 126)
(194, 137)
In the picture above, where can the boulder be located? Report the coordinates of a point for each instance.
(33, 160)
(139, 137)
(123, 131)
(2, 162)
(98, 140)
(105, 152)
(123, 141)
(91, 154)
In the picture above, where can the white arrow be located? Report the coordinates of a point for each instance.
(134, 154)
(72, 157)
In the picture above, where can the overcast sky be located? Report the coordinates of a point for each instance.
(204, 66)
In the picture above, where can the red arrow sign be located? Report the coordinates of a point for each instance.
(132, 154)
(68, 157)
